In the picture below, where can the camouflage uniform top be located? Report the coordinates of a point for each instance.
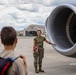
(39, 41)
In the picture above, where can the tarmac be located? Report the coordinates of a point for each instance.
(53, 62)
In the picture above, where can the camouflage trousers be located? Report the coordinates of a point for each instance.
(38, 57)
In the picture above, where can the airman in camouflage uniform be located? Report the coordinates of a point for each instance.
(38, 56)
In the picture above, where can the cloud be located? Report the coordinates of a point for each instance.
(57, 2)
(28, 7)
(13, 2)
(22, 13)
(45, 2)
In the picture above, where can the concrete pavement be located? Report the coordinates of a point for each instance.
(53, 62)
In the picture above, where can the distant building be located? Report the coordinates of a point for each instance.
(32, 30)
(20, 33)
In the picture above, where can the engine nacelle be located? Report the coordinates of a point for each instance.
(61, 29)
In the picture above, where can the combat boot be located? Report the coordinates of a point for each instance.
(36, 71)
(40, 70)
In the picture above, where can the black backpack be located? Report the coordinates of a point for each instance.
(5, 64)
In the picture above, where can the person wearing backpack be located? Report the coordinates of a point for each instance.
(9, 41)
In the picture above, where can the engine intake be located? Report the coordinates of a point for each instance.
(61, 29)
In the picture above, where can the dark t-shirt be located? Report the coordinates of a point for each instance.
(39, 41)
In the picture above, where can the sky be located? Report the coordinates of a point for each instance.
(22, 13)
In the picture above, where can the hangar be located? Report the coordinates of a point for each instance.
(31, 30)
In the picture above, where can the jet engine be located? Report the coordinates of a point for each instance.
(61, 29)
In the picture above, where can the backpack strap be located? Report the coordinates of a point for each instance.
(17, 68)
(13, 58)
